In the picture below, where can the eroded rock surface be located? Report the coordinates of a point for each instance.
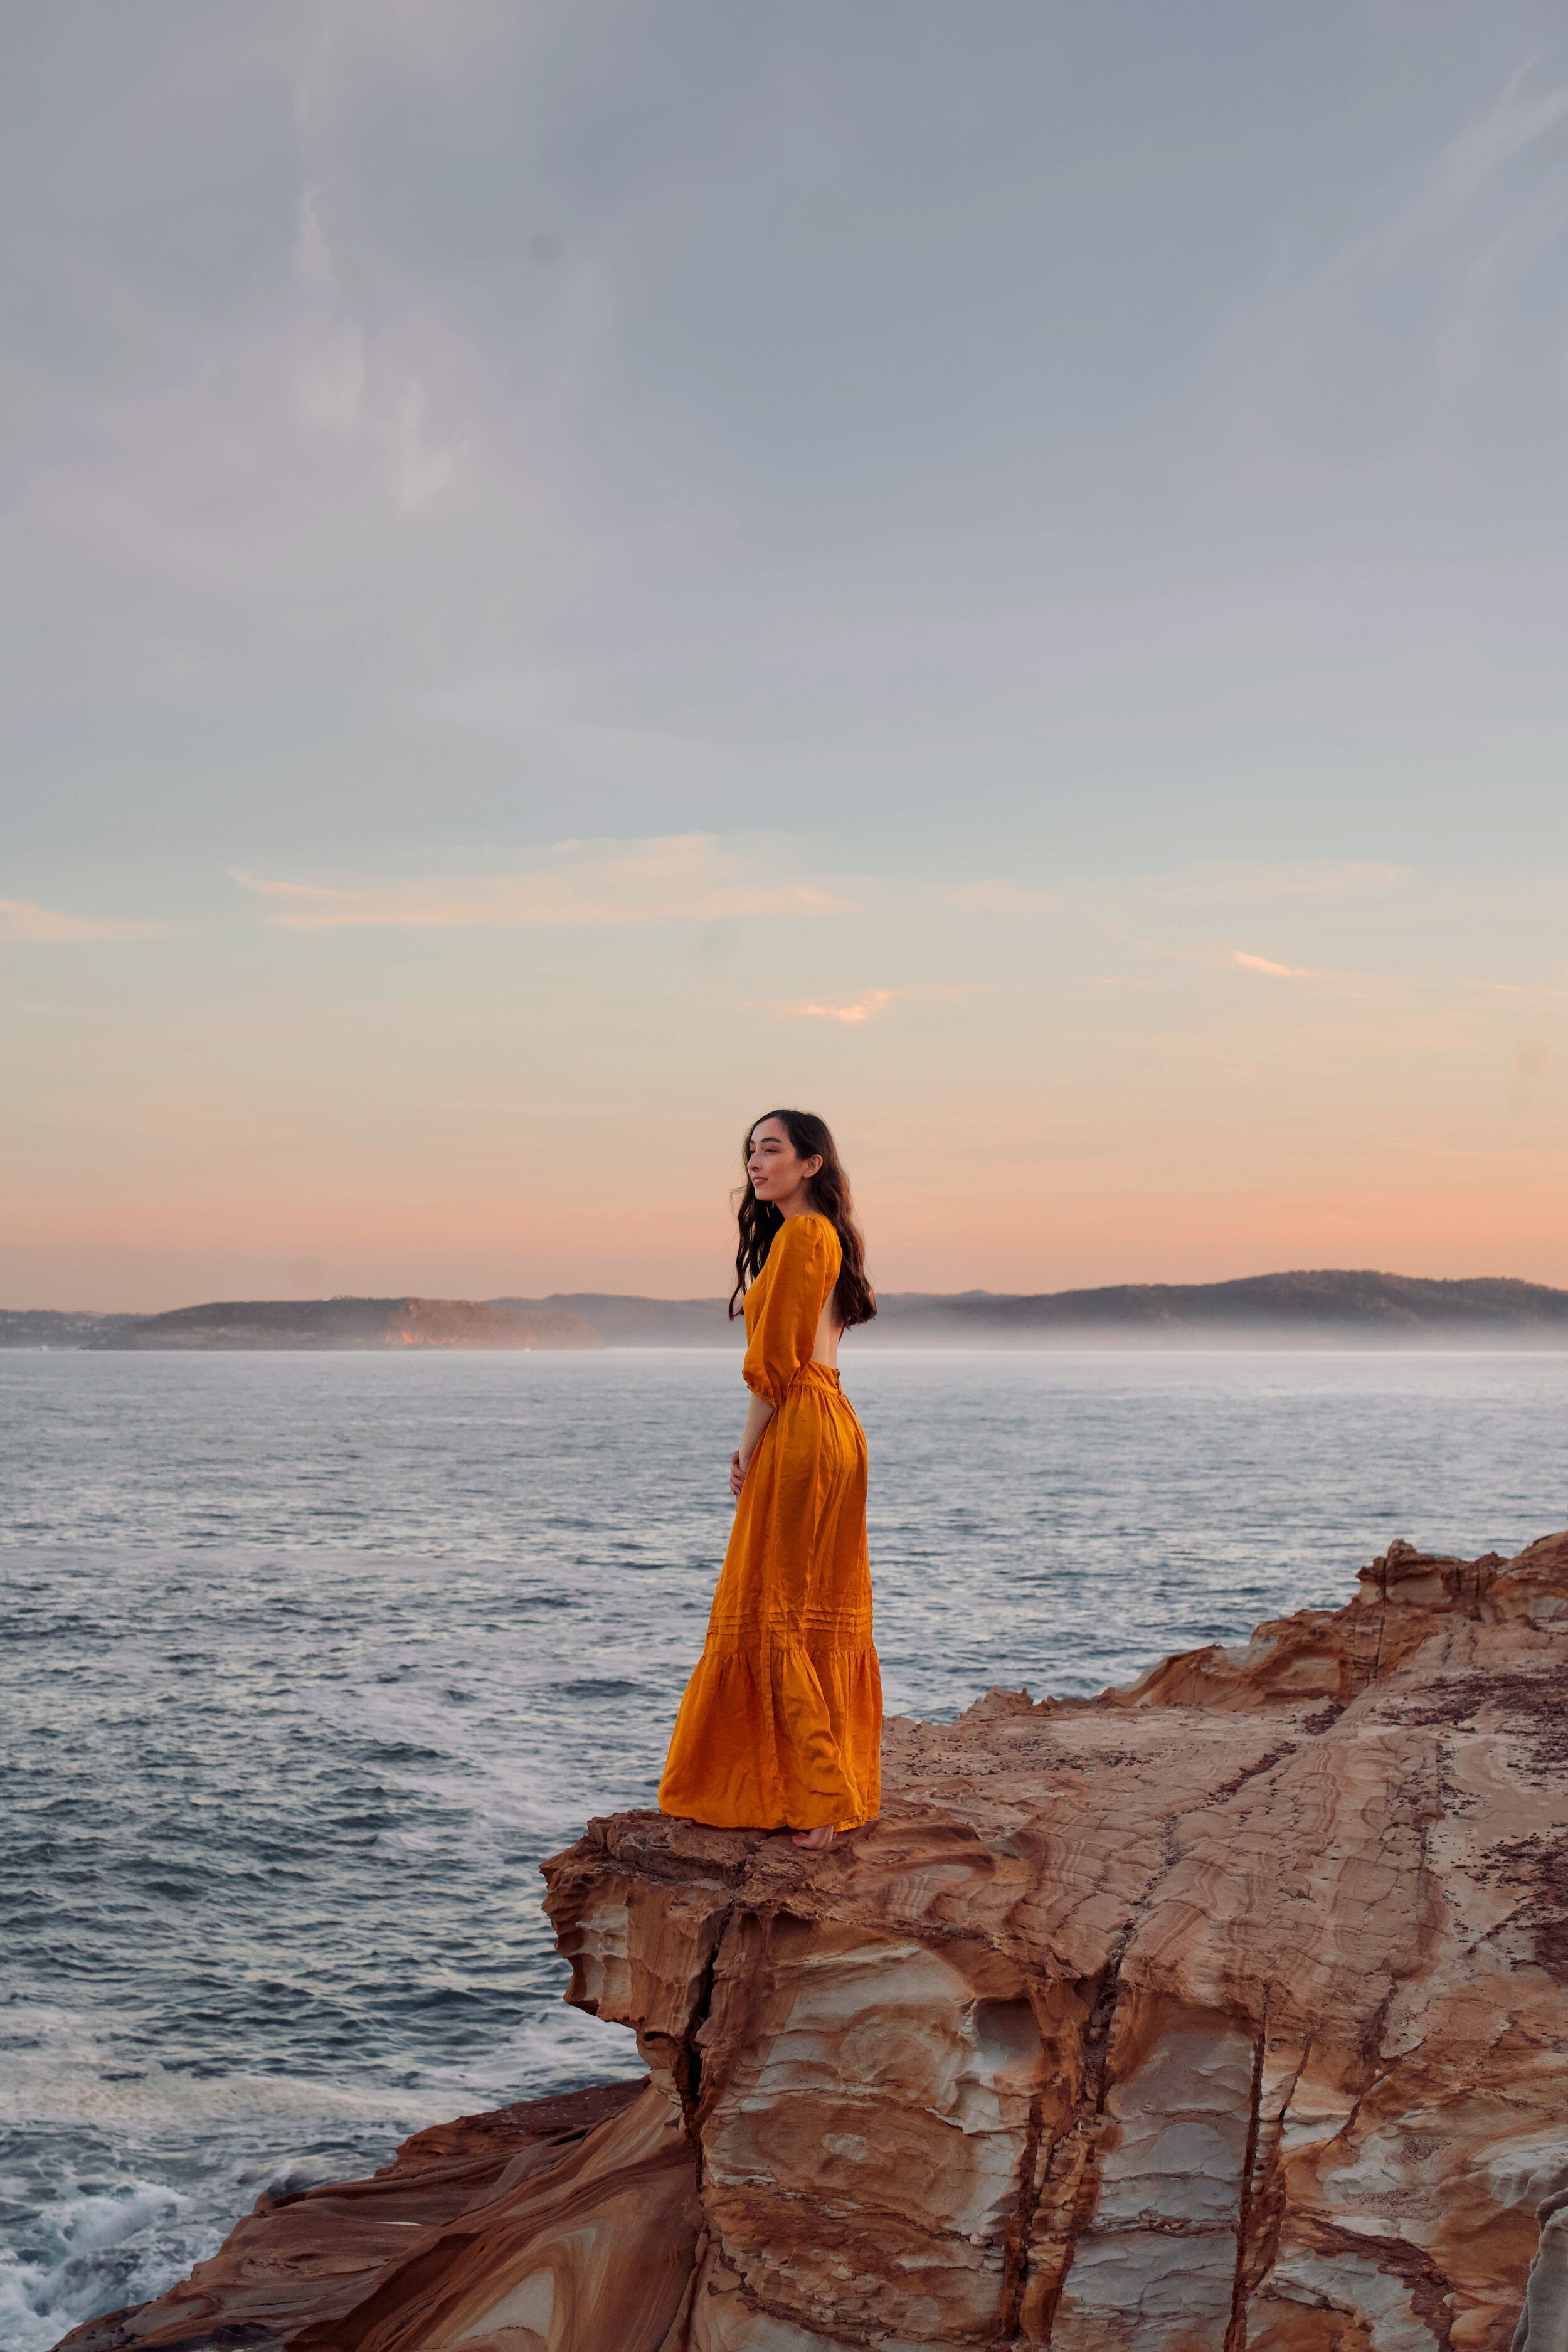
(1228, 2013)
(1224, 2012)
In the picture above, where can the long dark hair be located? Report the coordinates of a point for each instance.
(854, 1299)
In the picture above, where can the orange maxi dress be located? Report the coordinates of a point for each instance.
(781, 1726)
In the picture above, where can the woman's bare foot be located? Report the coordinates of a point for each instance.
(812, 1841)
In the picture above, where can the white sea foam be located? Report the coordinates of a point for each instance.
(61, 2066)
(39, 2092)
(558, 2046)
(105, 2249)
(121, 2244)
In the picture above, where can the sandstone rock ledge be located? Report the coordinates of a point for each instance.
(1228, 2013)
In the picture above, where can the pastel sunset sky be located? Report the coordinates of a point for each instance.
(574, 571)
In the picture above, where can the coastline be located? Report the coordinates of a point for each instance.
(1020, 2062)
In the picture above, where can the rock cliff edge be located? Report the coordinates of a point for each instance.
(1227, 2013)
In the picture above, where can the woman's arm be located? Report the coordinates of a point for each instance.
(757, 1420)
(802, 1268)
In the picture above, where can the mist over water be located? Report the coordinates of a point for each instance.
(307, 1660)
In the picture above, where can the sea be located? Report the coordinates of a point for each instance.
(307, 1660)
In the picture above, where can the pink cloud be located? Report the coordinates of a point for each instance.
(681, 877)
(852, 1010)
(23, 919)
(1278, 970)
(855, 1009)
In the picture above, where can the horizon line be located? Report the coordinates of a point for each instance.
(1085, 1290)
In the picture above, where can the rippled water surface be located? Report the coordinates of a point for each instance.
(306, 1660)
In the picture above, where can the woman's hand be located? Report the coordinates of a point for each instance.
(757, 1419)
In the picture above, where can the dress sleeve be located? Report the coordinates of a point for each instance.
(802, 1268)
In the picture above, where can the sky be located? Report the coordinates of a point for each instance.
(576, 569)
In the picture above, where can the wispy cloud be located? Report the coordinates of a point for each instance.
(676, 878)
(1280, 970)
(1216, 955)
(23, 919)
(850, 1011)
(1466, 245)
(335, 384)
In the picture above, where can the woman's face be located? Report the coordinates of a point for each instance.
(775, 1167)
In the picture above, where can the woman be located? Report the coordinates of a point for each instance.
(781, 1726)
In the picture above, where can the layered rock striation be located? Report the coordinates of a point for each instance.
(1227, 2013)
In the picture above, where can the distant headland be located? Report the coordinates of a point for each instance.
(1324, 1309)
(316, 1323)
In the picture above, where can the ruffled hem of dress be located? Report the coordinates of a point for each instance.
(778, 1734)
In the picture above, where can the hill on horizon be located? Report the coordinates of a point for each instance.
(346, 1323)
(1323, 1308)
